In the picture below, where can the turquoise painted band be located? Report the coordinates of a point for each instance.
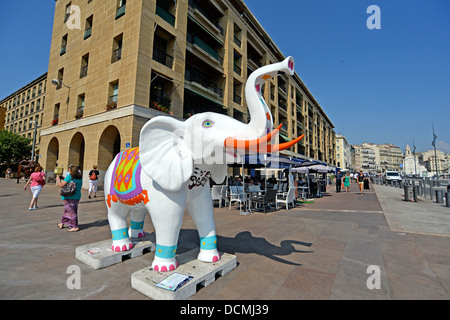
(208, 243)
(119, 234)
(165, 252)
(134, 225)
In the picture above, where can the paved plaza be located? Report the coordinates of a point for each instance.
(319, 250)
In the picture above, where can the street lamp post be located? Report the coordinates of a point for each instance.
(34, 140)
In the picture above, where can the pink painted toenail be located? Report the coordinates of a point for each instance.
(172, 267)
(215, 258)
(156, 268)
(124, 248)
(163, 269)
(141, 235)
(130, 246)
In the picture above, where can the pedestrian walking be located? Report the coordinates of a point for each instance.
(347, 182)
(338, 181)
(360, 180)
(36, 182)
(70, 214)
(93, 181)
(8, 173)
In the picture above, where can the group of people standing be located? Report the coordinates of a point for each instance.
(345, 180)
(70, 214)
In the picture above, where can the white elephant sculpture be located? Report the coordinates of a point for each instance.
(170, 170)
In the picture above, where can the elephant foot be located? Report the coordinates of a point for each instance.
(120, 246)
(209, 255)
(164, 265)
(136, 233)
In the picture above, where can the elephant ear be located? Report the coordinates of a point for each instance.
(163, 153)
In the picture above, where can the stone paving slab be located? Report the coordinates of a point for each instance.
(318, 250)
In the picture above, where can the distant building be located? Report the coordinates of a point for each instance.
(411, 164)
(431, 160)
(343, 153)
(24, 108)
(372, 157)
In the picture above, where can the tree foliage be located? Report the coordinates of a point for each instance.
(13, 148)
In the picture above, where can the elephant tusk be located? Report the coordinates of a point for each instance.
(260, 145)
(250, 145)
(283, 146)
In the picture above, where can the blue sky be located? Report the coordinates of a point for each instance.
(380, 86)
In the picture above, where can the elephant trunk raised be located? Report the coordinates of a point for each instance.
(261, 120)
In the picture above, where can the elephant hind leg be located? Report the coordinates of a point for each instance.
(117, 218)
(136, 229)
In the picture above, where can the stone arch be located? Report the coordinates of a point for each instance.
(109, 146)
(52, 156)
(76, 150)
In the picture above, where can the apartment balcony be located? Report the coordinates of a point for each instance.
(204, 81)
(167, 16)
(205, 48)
(206, 16)
(162, 57)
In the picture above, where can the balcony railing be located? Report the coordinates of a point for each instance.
(204, 46)
(162, 57)
(204, 81)
(167, 16)
(207, 15)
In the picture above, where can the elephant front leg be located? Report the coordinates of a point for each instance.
(167, 217)
(201, 211)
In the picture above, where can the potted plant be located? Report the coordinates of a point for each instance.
(158, 106)
(55, 122)
(111, 105)
(79, 114)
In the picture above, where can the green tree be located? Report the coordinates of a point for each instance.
(13, 148)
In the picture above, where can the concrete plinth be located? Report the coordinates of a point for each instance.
(99, 255)
(203, 275)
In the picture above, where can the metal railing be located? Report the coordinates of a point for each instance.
(162, 57)
(203, 80)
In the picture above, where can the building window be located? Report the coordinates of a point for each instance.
(88, 28)
(113, 95)
(121, 6)
(67, 12)
(56, 114)
(60, 78)
(117, 48)
(63, 45)
(84, 65)
(80, 106)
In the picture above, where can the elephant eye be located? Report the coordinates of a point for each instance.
(207, 123)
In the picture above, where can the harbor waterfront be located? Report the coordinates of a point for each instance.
(324, 250)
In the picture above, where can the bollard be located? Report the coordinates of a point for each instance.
(447, 199)
(431, 192)
(415, 191)
(408, 191)
(439, 196)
